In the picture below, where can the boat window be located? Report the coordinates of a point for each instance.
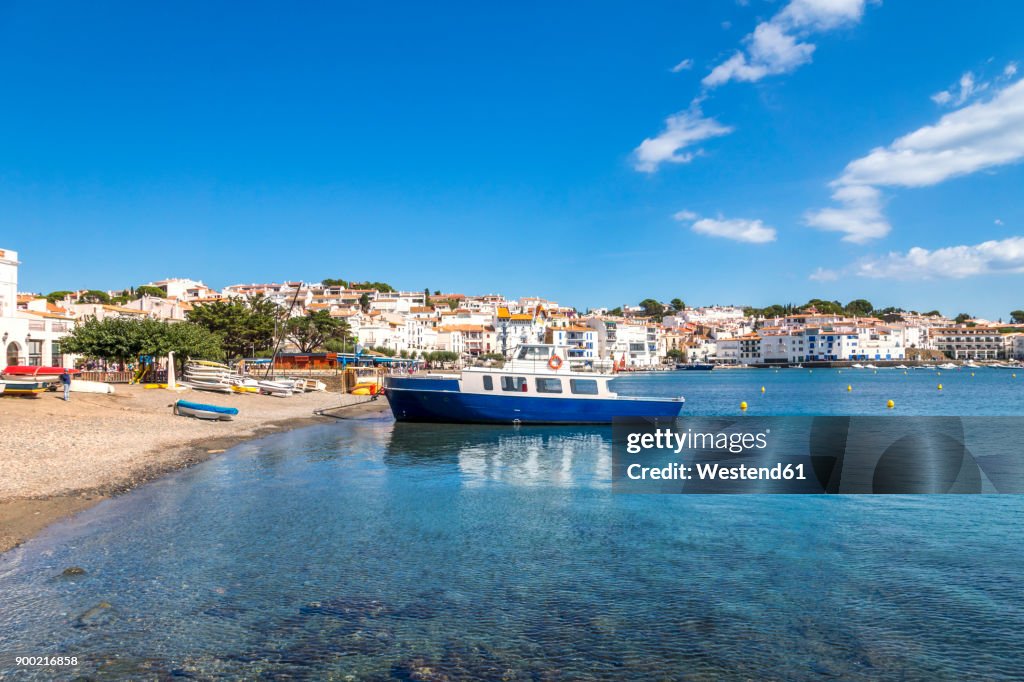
(548, 385)
(513, 384)
(583, 386)
(533, 353)
(488, 383)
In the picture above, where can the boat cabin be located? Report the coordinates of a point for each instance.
(540, 370)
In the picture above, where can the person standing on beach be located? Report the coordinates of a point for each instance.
(65, 379)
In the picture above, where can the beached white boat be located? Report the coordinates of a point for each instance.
(902, 367)
(310, 385)
(947, 365)
(83, 386)
(204, 411)
(216, 386)
(276, 388)
(857, 365)
(870, 366)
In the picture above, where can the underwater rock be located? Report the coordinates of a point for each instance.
(97, 615)
(73, 571)
(419, 669)
(344, 608)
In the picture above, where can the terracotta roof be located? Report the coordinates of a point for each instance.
(49, 316)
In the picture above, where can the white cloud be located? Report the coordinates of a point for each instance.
(737, 229)
(1011, 70)
(684, 65)
(998, 221)
(976, 137)
(823, 275)
(968, 87)
(1005, 256)
(777, 45)
(682, 131)
(859, 217)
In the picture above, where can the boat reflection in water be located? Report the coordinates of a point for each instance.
(523, 456)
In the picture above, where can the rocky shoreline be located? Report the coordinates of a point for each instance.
(61, 458)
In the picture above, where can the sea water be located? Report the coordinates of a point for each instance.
(366, 549)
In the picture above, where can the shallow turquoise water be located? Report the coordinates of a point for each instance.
(370, 550)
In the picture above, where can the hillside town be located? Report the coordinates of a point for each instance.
(380, 321)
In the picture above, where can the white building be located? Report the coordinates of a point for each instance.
(184, 289)
(29, 335)
(581, 343)
(618, 340)
(973, 343)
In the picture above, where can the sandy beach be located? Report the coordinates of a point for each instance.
(58, 458)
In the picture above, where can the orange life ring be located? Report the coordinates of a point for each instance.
(555, 363)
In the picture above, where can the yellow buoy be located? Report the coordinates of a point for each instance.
(1014, 375)
(849, 387)
(890, 404)
(762, 389)
(940, 387)
(938, 374)
(743, 405)
(972, 374)
(904, 371)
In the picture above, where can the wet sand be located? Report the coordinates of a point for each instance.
(59, 458)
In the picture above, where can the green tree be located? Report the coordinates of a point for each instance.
(1017, 316)
(677, 304)
(310, 332)
(125, 339)
(147, 290)
(335, 283)
(859, 307)
(55, 296)
(364, 302)
(676, 354)
(341, 339)
(932, 313)
(616, 312)
(245, 325)
(652, 308)
(382, 287)
(426, 297)
(94, 296)
(825, 307)
(962, 317)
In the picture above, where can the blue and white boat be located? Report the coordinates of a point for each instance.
(204, 411)
(532, 388)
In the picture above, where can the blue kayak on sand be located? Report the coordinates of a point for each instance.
(204, 411)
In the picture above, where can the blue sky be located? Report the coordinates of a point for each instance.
(748, 152)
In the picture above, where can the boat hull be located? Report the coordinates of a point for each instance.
(203, 411)
(31, 389)
(436, 402)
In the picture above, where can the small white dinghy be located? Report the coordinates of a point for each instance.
(204, 411)
(215, 385)
(275, 388)
(83, 386)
